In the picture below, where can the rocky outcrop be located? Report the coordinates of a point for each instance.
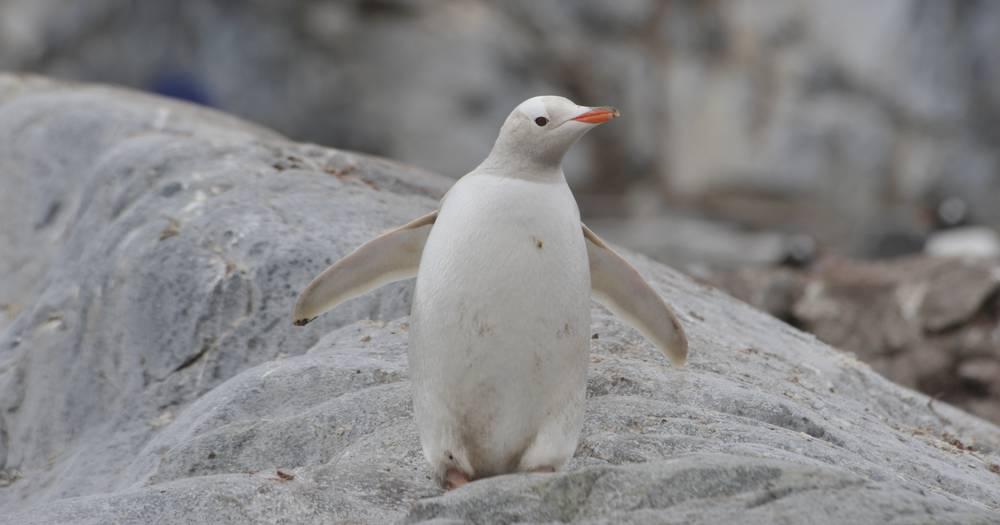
(929, 323)
(149, 371)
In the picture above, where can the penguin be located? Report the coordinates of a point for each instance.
(500, 319)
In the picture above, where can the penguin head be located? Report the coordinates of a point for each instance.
(541, 129)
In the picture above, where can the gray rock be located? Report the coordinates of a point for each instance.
(689, 243)
(149, 372)
(969, 241)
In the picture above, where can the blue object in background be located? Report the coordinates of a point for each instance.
(178, 84)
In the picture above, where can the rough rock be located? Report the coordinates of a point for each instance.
(149, 371)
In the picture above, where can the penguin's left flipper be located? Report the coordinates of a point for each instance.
(392, 256)
(617, 285)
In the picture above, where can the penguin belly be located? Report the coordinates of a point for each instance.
(500, 328)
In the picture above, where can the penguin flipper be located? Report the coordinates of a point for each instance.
(392, 256)
(617, 285)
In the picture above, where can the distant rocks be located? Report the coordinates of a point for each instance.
(860, 109)
(970, 241)
(930, 323)
(692, 244)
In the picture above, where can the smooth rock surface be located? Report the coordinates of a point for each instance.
(970, 241)
(149, 371)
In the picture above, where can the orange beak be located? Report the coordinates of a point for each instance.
(597, 115)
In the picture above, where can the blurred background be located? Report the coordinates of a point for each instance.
(816, 159)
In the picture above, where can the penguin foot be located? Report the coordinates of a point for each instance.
(454, 478)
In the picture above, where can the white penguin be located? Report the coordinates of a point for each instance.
(500, 321)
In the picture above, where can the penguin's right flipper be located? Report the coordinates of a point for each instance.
(392, 256)
(617, 285)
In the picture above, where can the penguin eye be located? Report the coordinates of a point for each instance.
(541, 121)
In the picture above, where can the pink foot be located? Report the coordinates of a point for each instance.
(454, 478)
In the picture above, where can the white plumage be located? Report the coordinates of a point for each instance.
(500, 323)
(500, 327)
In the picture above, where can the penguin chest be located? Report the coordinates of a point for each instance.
(505, 269)
(501, 316)
(525, 287)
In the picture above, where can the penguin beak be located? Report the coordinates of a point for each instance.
(597, 115)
